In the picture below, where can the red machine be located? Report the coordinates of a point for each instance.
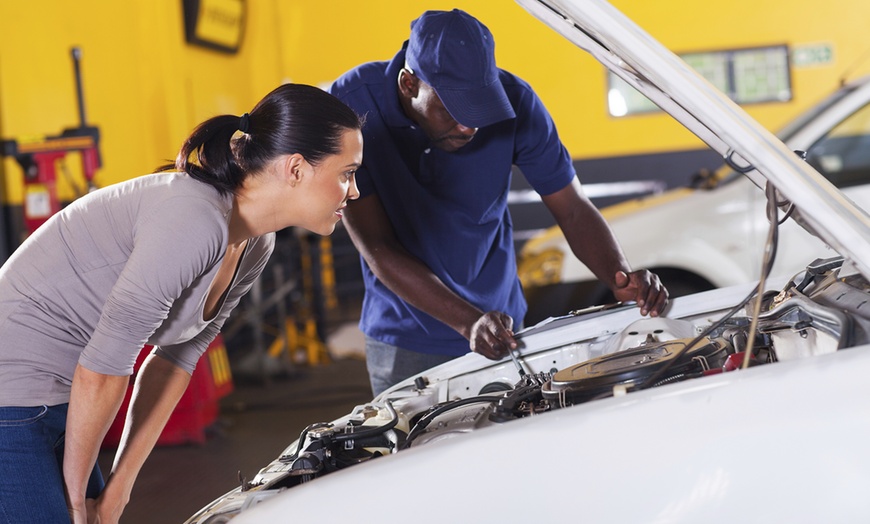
(38, 160)
(198, 408)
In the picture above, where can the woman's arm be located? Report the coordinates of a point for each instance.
(94, 401)
(158, 388)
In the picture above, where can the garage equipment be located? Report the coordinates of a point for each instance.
(38, 159)
(199, 406)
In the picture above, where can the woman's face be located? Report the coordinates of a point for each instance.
(334, 183)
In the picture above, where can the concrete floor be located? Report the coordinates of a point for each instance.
(257, 422)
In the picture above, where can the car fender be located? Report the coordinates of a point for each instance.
(686, 452)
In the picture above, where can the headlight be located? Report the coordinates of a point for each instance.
(541, 268)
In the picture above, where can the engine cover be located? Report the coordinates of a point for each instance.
(598, 376)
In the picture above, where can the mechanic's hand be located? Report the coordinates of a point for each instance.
(643, 287)
(491, 335)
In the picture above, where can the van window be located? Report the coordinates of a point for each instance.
(843, 154)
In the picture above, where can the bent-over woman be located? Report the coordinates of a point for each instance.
(161, 259)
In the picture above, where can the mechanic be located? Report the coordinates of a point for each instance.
(444, 126)
(161, 259)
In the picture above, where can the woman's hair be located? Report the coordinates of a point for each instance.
(294, 118)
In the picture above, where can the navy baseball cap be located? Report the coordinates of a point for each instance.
(455, 54)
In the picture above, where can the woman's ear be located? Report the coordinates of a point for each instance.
(293, 169)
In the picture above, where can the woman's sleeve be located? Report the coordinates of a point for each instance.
(173, 244)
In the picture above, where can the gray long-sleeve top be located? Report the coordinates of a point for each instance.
(127, 265)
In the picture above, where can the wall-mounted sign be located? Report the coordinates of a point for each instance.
(807, 55)
(749, 75)
(216, 24)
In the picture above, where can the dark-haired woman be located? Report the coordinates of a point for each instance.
(161, 259)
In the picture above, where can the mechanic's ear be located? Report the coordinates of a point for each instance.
(409, 84)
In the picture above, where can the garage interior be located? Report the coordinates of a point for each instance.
(111, 89)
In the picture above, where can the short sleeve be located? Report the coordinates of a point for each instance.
(539, 152)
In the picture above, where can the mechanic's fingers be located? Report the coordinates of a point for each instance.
(656, 296)
(641, 281)
(621, 279)
(661, 302)
(497, 337)
(503, 331)
(653, 293)
(492, 335)
(496, 348)
(488, 346)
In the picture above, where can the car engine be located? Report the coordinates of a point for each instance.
(822, 310)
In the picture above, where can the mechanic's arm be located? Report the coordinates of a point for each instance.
(592, 241)
(408, 277)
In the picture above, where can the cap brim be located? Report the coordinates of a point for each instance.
(478, 107)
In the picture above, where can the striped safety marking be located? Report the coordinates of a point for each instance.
(220, 365)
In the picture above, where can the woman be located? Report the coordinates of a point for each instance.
(161, 259)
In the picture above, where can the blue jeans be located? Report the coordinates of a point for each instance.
(389, 365)
(31, 466)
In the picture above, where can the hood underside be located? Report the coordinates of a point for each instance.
(629, 52)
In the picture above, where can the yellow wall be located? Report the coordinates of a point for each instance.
(145, 88)
(572, 84)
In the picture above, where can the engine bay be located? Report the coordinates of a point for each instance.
(820, 311)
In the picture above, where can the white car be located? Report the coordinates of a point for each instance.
(747, 403)
(713, 234)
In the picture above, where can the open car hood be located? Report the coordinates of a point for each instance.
(633, 55)
(613, 407)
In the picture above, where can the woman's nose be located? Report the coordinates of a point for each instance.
(352, 191)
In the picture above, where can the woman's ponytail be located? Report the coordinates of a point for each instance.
(294, 118)
(207, 154)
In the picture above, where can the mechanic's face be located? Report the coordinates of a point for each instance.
(427, 111)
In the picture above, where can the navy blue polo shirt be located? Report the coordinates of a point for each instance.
(448, 209)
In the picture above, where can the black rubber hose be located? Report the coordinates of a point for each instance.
(429, 417)
(301, 440)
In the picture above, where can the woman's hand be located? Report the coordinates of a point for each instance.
(104, 511)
